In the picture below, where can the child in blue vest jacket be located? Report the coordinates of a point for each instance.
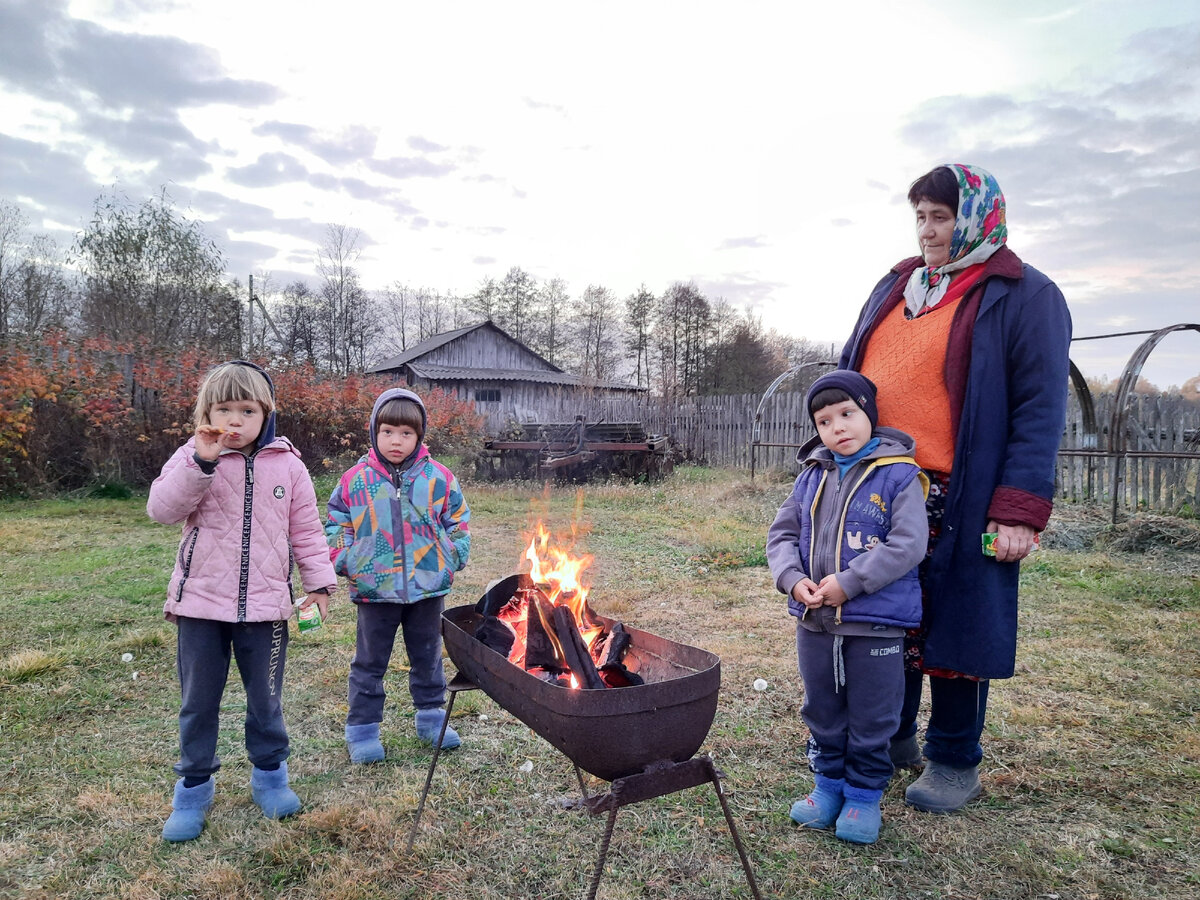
(845, 547)
(398, 530)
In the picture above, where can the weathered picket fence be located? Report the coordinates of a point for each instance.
(1157, 470)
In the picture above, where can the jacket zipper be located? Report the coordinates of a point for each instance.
(247, 517)
(185, 558)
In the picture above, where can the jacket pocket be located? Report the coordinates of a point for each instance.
(186, 548)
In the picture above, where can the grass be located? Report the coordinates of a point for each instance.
(1091, 775)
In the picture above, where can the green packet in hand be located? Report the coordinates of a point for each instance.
(308, 618)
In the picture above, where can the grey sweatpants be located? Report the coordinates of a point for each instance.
(204, 651)
(850, 724)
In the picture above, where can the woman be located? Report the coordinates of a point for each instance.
(969, 348)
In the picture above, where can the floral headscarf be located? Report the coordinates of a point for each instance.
(979, 231)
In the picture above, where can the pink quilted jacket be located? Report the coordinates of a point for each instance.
(242, 528)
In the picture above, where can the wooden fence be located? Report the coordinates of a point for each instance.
(1158, 470)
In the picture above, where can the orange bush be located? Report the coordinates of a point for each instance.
(71, 417)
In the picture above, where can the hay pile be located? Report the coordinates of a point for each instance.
(1149, 532)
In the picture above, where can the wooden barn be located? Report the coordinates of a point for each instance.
(508, 381)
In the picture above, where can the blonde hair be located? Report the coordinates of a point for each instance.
(232, 382)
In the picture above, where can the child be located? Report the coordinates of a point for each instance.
(844, 547)
(397, 529)
(248, 507)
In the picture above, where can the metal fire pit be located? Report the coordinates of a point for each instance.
(610, 733)
(642, 738)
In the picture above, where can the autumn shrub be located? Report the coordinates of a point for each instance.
(104, 415)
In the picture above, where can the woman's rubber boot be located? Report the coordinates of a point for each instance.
(188, 811)
(943, 789)
(820, 808)
(271, 792)
(429, 725)
(362, 741)
(860, 818)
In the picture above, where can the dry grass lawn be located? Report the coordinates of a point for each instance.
(1091, 775)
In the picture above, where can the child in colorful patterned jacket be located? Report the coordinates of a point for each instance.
(845, 547)
(248, 510)
(398, 530)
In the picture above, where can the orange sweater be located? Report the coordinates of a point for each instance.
(906, 358)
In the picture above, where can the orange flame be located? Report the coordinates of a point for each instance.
(557, 572)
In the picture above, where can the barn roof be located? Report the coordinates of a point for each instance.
(416, 351)
(467, 373)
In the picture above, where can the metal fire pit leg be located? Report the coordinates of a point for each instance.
(737, 840)
(604, 842)
(582, 787)
(459, 683)
(658, 780)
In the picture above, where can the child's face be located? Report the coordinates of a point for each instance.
(396, 442)
(242, 421)
(843, 427)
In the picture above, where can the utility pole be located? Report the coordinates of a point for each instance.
(250, 337)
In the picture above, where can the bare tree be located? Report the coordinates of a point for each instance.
(297, 314)
(553, 315)
(598, 329)
(518, 294)
(485, 302)
(348, 326)
(639, 320)
(12, 238)
(680, 335)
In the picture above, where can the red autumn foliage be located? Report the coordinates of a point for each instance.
(100, 412)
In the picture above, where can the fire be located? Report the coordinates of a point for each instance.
(556, 573)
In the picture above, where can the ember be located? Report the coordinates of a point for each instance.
(546, 626)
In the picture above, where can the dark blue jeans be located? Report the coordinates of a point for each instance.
(421, 624)
(957, 709)
(204, 650)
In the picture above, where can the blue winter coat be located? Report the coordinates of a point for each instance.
(1012, 417)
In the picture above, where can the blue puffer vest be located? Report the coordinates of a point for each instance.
(863, 520)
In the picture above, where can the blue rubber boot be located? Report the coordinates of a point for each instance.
(189, 808)
(271, 792)
(362, 741)
(429, 725)
(860, 818)
(820, 808)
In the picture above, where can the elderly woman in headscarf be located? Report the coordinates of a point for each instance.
(969, 348)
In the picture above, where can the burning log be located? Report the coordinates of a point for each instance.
(550, 638)
(578, 659)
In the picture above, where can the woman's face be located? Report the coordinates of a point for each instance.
(935, 229)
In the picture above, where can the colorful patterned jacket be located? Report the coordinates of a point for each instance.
(398, 535)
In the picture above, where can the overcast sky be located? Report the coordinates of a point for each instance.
(760, 149)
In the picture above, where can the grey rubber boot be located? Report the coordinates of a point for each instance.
(943, 789)
(906, 753)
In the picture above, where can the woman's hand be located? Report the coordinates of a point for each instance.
(1013, 542)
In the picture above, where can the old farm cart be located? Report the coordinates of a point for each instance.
(576, 451)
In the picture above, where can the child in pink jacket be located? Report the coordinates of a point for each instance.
(248, 510)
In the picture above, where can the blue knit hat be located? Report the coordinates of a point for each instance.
(859, 387)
